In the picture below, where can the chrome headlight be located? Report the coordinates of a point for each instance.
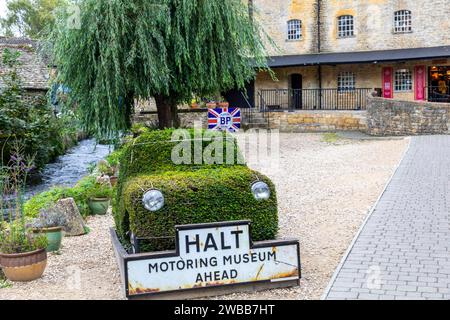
(153, 200)
(261, 190)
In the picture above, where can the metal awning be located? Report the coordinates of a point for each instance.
(359, 57)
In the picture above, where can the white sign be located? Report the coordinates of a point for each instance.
(213, 255)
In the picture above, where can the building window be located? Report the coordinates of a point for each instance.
(345, 26)
(402, 21)
(346, 81)
(294, 30)
(403, 80)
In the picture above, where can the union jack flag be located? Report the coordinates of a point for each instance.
(224, 119)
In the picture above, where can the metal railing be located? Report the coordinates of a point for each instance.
(313, 99)
(249, 113)
(438, 94)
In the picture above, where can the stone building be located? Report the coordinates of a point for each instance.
(330, 54)
(33, 71)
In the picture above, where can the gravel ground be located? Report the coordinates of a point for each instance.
(325, 190)
(85, 269)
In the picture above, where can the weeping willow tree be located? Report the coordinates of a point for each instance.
(167, 49)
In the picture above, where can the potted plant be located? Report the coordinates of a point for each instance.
(99, 198)
(22, 254)
(50, 223)
(223, 104)
(108, 170)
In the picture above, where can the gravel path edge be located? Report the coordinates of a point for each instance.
(355, 238)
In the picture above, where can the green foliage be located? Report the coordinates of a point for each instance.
(16, 238)
(211, 195)
(86, 188)
(330, 137)
(193, 193)
(152, 152)
(113, 158)
(4, 283)
(153, 48)
(30, 17)
(43, 135)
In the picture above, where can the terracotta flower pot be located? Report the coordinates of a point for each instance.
(113, 181)
(224, 104)
(211, 105)
(24, 267)
(54, 237)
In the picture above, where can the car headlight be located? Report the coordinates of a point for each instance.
(153, 200)
(261, 190)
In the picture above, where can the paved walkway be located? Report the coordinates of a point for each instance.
(403, 251)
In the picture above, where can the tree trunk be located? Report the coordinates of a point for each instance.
(167, 112)
(129, 109)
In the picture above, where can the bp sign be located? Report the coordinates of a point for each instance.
(212, 255)
(224, 119)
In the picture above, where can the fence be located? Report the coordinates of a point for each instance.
(313, 99)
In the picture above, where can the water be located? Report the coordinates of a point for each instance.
(71, 167)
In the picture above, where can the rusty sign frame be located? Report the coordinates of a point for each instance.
(123, 257)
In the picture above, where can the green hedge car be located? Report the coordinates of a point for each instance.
(155, 195)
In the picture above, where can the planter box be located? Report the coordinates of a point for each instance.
(209, 260)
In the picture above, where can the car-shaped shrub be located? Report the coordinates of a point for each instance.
(154, 194)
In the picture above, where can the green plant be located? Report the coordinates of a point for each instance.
(167, 49)
(105, 168)
(44, 200)
(194, 193)
(330, 137)
(85, 188)
(100, 191)
(33, 121)
(4, 283)
(16, 236)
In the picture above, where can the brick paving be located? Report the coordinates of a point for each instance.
(403, 250)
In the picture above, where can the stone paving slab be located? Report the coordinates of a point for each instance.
(403, 250)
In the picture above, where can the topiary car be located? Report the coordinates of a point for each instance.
(155, 194)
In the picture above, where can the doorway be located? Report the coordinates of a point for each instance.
(439, 84)
(296, 86)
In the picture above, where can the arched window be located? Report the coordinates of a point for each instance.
(294, 29)
(402, 21)
(346, 26)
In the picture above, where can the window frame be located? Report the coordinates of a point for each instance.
(403, 17)
(401, 78)
(345, 26)
(346, 81)
(294, 30)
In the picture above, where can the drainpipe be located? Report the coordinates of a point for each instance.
(319, 48)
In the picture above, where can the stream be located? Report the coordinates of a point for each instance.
(69, 168)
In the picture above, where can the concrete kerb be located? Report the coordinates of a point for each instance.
(371, 211)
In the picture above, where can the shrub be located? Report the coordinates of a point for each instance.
(86, 188)
(32, 122)
(193, 193)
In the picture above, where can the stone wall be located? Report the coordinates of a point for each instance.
(386, 117)
(187, 118)
(318, 121)
(374, 24)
